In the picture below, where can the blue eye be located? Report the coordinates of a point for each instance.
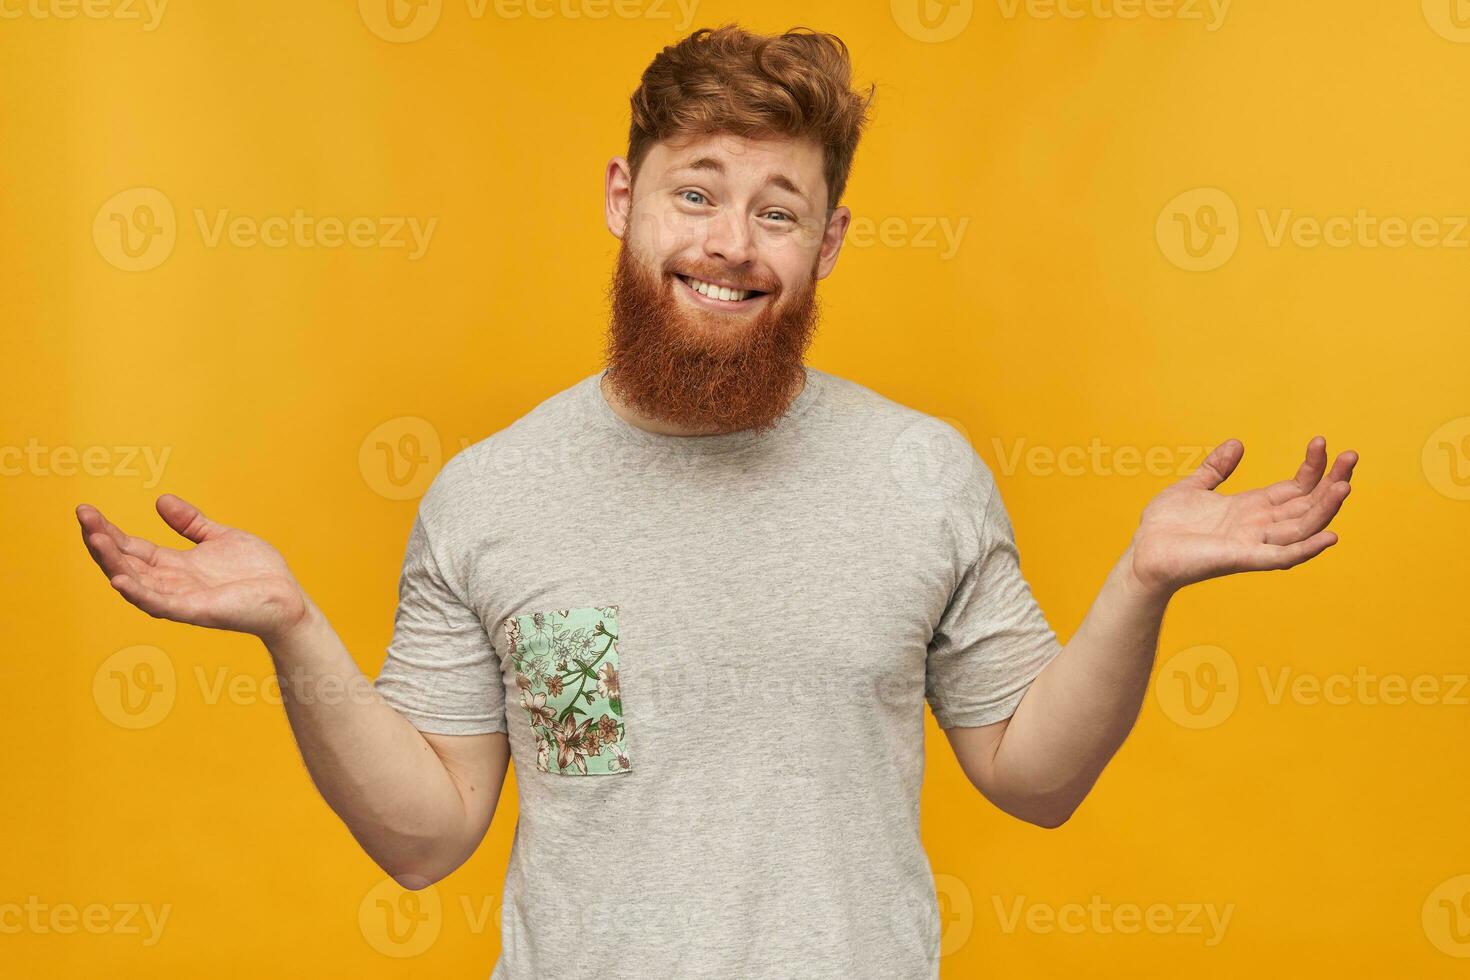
(696, 194)
(777, 214)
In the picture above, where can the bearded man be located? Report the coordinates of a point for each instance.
(707, 634)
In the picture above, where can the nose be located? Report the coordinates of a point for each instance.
(728, 238)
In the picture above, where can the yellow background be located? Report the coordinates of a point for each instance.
(1332, 834)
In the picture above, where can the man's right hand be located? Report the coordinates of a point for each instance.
(228, 580)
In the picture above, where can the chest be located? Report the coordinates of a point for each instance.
(725, 611)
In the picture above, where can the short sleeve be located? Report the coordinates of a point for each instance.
(441, 672)
(992, 639)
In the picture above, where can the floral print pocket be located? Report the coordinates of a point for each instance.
(566, 663)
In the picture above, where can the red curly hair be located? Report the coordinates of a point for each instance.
(728, 80)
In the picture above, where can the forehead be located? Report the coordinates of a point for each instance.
(791, 164)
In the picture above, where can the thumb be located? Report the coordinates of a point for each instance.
(1217, 466)
(187, 519)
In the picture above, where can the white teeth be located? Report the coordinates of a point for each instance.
(716, 292)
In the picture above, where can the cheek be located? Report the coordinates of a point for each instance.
(663, 234)
(792, 266)
(796, 245)
(791, 254)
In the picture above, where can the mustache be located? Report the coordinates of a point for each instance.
(734, 282)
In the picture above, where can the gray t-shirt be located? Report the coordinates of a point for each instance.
(711, 655)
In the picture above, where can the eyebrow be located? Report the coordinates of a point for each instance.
(710, 163)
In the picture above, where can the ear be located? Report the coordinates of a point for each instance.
(619, 190)
(832, 238)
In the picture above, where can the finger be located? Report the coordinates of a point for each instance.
(112, 561)
(187, 519)
(1307, 480)
(1295, 507)
(1342, 467)
(1322, 508)
(1290, 502)
(1284, 491)
(93, 519)
(1268, 557)
(1217, 466)
(88, 528)
(1309, 474)
(91, 522)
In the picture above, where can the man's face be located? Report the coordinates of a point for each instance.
(714, 294)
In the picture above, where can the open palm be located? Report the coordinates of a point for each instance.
(229, 579)
(1190, 532)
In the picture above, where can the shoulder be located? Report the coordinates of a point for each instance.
(928, 456)
(849, 399)
(499, 462)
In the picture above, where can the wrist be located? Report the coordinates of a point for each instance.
(295, 627)
(1142, 588)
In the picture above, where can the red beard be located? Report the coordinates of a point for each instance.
(701, 370)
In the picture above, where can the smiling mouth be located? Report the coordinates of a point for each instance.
(720, 295)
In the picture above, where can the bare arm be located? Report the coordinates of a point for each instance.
(418, 803)
(1040, 763)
